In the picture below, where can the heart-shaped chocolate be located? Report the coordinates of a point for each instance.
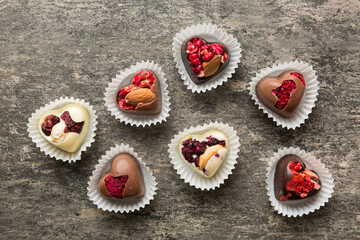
(124, 179)
(204, 60)
(142, 95)
(293, 180)
(65, 128)
(204, 153)
(281, 94)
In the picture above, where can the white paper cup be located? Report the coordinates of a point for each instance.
(307, 102)
(123, 205)
(47, 147)
(295, 208)
(212, 34)
(124, 79)
(188, 174)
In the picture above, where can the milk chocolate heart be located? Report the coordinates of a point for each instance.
(282, 94)
(65, 128)
(204, 60)
(204, 153)
(293, 180)
(142, 95)
(124, 179)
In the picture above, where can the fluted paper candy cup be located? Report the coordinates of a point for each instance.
(307, 102)
(124, 79)
(48, 148)
(123, 205)
(188, 174)
(212, 34)
(298, 208)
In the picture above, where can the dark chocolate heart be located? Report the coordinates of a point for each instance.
(204, 60)
(281, 94)
(293, 180)
(142, 95)
(124, 179)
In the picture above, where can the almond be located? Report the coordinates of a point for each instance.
(212, 66)
(209, 152)
(140, 95)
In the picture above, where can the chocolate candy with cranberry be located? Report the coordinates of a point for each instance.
(124, 179)
(65, 128)
(204, 60)
(142, 95)
(282, 94)
(204, 153)
(293, 180)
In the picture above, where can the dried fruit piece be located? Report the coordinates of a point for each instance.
(283, 93)
(116, 185)
(48, 124)
(70, 124)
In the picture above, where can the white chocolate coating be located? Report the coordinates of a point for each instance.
(215, 162)
(69, 141)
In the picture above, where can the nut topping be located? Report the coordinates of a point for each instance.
(140, 96)
(212, 66)
(209, 152)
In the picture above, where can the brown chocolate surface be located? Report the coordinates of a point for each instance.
(150, 108)
(125, 164)
(283, 175)
(187, 62)
(266, 85)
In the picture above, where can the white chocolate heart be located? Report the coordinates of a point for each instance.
(65, 140)
(212, 158)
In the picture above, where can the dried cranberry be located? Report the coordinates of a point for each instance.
(299, 76)
(70, 124)
(192, 149)
(208, 56)
(197, 69)
(48, 124)
(124, 105)
(193, 56)
(283, 93)
(195, 62)
(217, 49)
(213, 142)
(116, 185)
(136, 80)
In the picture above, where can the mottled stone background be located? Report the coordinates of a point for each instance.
(59, 48)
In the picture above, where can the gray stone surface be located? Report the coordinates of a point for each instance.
(59, 48)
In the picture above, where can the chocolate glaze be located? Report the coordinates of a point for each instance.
(283, 174)
(266, 85)
(187, 62)
(125, 164)
(152, 108)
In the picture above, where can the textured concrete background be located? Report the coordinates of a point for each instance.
(59, 48)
